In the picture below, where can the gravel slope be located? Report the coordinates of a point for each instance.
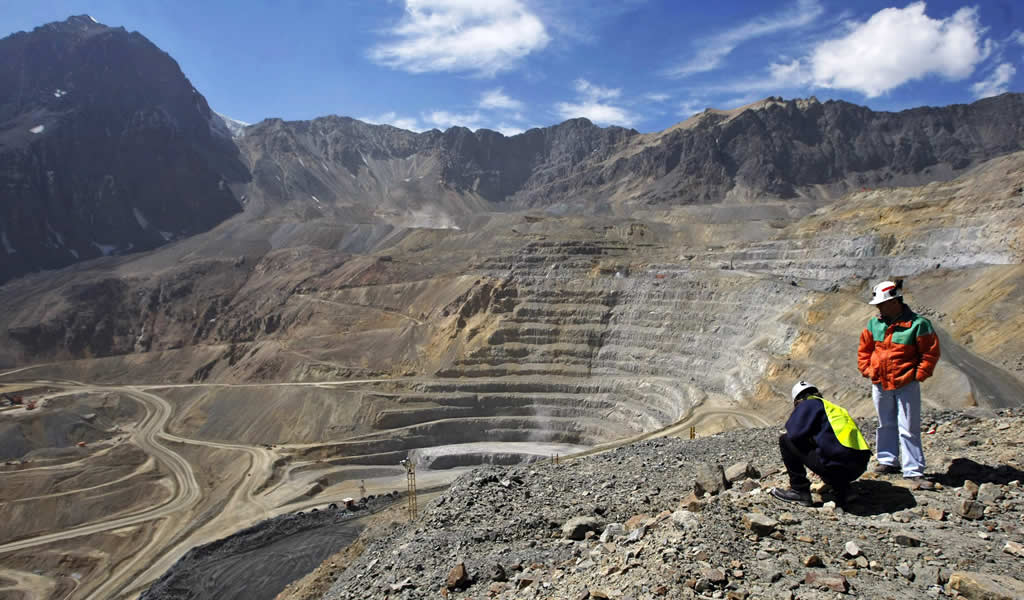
(506, 526)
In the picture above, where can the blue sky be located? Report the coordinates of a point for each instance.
(510, 65)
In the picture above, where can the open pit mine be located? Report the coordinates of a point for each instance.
(237, 325)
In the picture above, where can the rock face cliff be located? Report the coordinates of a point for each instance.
(105, 148)
(800, 150)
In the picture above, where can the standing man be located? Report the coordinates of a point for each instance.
(898, 350)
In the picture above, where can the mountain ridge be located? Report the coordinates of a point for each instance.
(576, 166)
(798, 154)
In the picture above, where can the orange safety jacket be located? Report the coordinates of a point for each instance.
(893, 355)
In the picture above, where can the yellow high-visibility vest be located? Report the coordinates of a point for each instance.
(844, 426)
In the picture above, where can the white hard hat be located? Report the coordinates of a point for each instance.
(887, 290)
(800, 387)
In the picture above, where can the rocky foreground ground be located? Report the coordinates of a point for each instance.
(629, 524)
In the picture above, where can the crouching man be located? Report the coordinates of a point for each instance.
(822, 437)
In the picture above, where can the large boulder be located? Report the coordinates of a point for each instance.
(710, 479)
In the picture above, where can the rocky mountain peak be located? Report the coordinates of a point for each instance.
(81, 25)
(96, 126)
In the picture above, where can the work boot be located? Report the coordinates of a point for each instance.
(881, 469)
(791, 495)
(918, 482)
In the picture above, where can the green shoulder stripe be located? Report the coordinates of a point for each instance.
(877, 329)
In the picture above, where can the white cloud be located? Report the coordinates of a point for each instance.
(462, 35)
(595, 92)
(656, 97)
(787, 75)
(898, 45)
(443, 119)
(1018, 36)
(496, 99)
(582, 21)
(892, 47)
(591, 105)
(391, 118)
(691, 107)
(996, 83)
(780, 76)
(509, 130)
(713, 50)
(602, 114)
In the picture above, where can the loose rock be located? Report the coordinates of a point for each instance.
(710, 479)
(740, 471)
(760, 524)
(969, 509)
(852, 549)
(458, 577)
(1014, 548)
(983, 586)
(685, 519)
(836, 583)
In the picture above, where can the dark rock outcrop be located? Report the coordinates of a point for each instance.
(105, 148)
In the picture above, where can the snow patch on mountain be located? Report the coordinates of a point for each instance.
(104, 249)
(140, 218)
(227, 126)
(55, 234)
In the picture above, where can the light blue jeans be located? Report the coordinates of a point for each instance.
(899, 427)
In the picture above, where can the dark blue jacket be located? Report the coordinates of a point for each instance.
(809, 430)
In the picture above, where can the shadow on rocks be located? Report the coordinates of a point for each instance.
(875, 497)
(963, 469)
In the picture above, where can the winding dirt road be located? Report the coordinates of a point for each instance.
(186, 487)
(143, 468)
(244, 507)
(385, 311)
